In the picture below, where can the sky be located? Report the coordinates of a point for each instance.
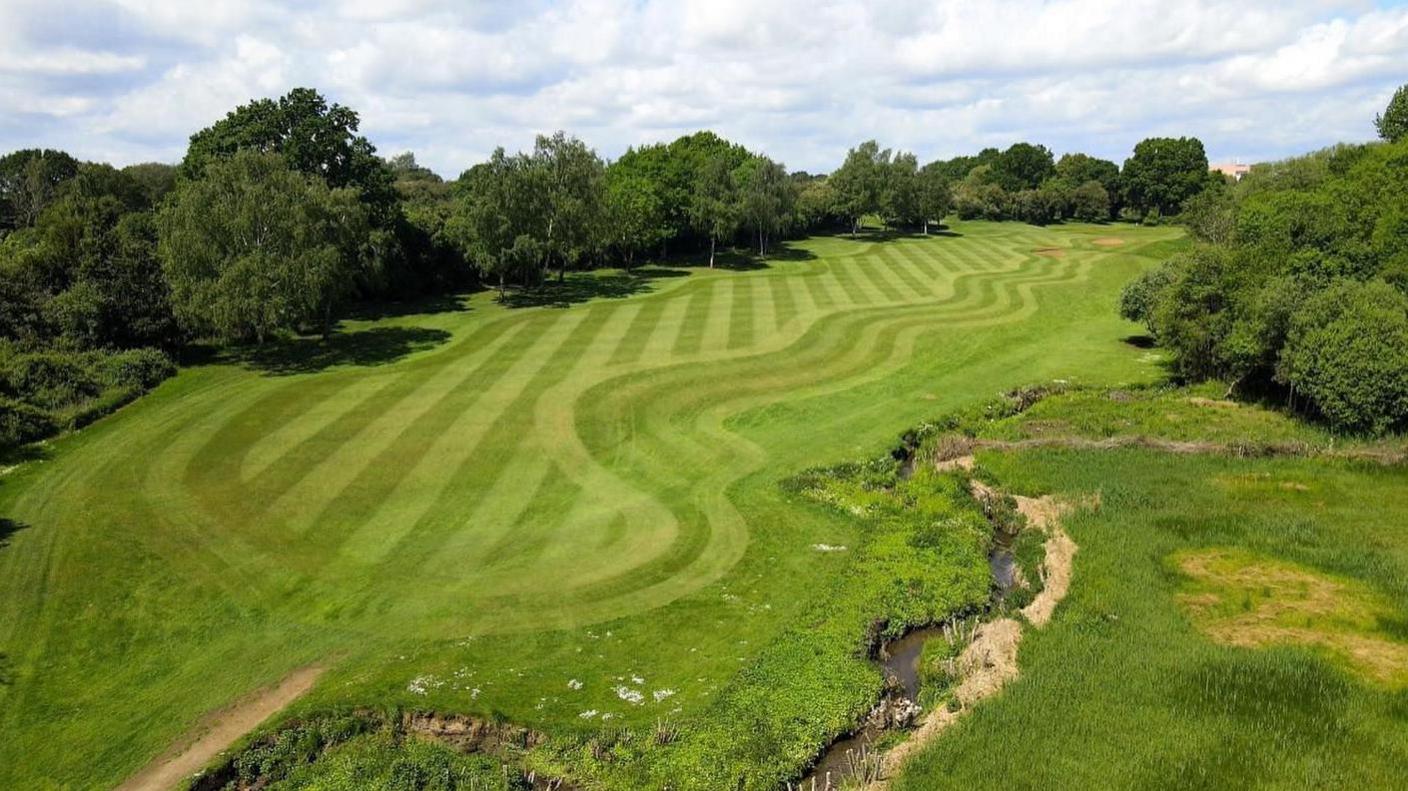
(128, 81)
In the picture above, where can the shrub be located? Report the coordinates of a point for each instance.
(1347, 352)
(52, 380)
(21, 424)
(140, 368)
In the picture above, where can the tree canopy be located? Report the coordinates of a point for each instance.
(1392, 123)
(256, 247)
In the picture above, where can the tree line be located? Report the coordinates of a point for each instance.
(281, 215)
(1298, 285)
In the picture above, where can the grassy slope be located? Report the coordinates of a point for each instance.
(1122, 690)
(551, 494)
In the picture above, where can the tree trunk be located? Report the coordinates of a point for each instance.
(855, 227)
(926, 227)
(711, 252)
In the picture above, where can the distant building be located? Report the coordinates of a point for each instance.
(1232, 169)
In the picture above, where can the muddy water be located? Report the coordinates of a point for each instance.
(899, 660)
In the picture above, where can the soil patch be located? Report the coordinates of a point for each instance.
(217, 731)
(1248, 601)
(1108, 241)
(1050, 252)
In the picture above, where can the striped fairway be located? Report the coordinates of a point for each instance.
(544, 478)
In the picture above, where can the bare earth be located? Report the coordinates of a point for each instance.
(1108, 241)
(218, 731)
(990, 660)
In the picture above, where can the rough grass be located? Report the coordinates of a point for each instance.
(1257, 665)
(481, 505)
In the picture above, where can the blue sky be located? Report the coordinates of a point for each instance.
(129, 80)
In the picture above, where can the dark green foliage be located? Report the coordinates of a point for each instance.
(29, 182)
(21, 423)
(254, 248)
(315, 138)
(1163, 173)
(44, 392)
(1090, 202)
(1323, 224)
(1023, 166)
(1392, 123)
(1347, 351)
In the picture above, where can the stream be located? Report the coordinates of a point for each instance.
(899, 661)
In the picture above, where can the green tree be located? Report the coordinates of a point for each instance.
(315, 138)
(1077, 169)
(573, 179)
(765, 197)
(935, 194)
(1163, 173)
(1392, 123)
(1090, 202)
(899, 196)
(1023, 166)
(255, 248)
(1347, 352)
(859, 182)
(637, 219)
(714, 204)
(499, 206)
(29, 182)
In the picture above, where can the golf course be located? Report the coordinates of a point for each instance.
(557, 512)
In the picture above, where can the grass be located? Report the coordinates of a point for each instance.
(477, 507)
(1233, 622)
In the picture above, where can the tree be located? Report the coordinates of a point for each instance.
(315, 138)
(1077, 169)
(1090, 202)
(816, 204)
(765, 198)
(1347, 352)
(1392, 123)
(934, 193)
(573, 179)
(899, 196)
(255, 248)
(714, 202)
(1023, 166)
(498, 206)
(1164, 172)
(859, 181)
(637, 219)
(29, 182)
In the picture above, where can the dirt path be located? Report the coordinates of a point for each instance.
(217, 731)
(990, 660)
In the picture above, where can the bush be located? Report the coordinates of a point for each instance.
(1347, 352)
(21, 424)
(52, 380)
(142, 369)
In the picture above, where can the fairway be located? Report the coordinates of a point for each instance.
(511, 500)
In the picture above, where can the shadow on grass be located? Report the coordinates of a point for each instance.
(440, 303)
(1140, 341)
(370, 347)
(7, 672)
(8, 527)
(580, 287)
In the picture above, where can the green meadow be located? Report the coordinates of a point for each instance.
(1234, 621)
(564, 515)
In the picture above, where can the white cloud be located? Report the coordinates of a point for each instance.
(800, 79)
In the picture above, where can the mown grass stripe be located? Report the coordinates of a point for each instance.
(716, 325)
(696, 316)
(742, 322)
(644, 323)
(666, 331)
(435, 464)
(784, 301)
